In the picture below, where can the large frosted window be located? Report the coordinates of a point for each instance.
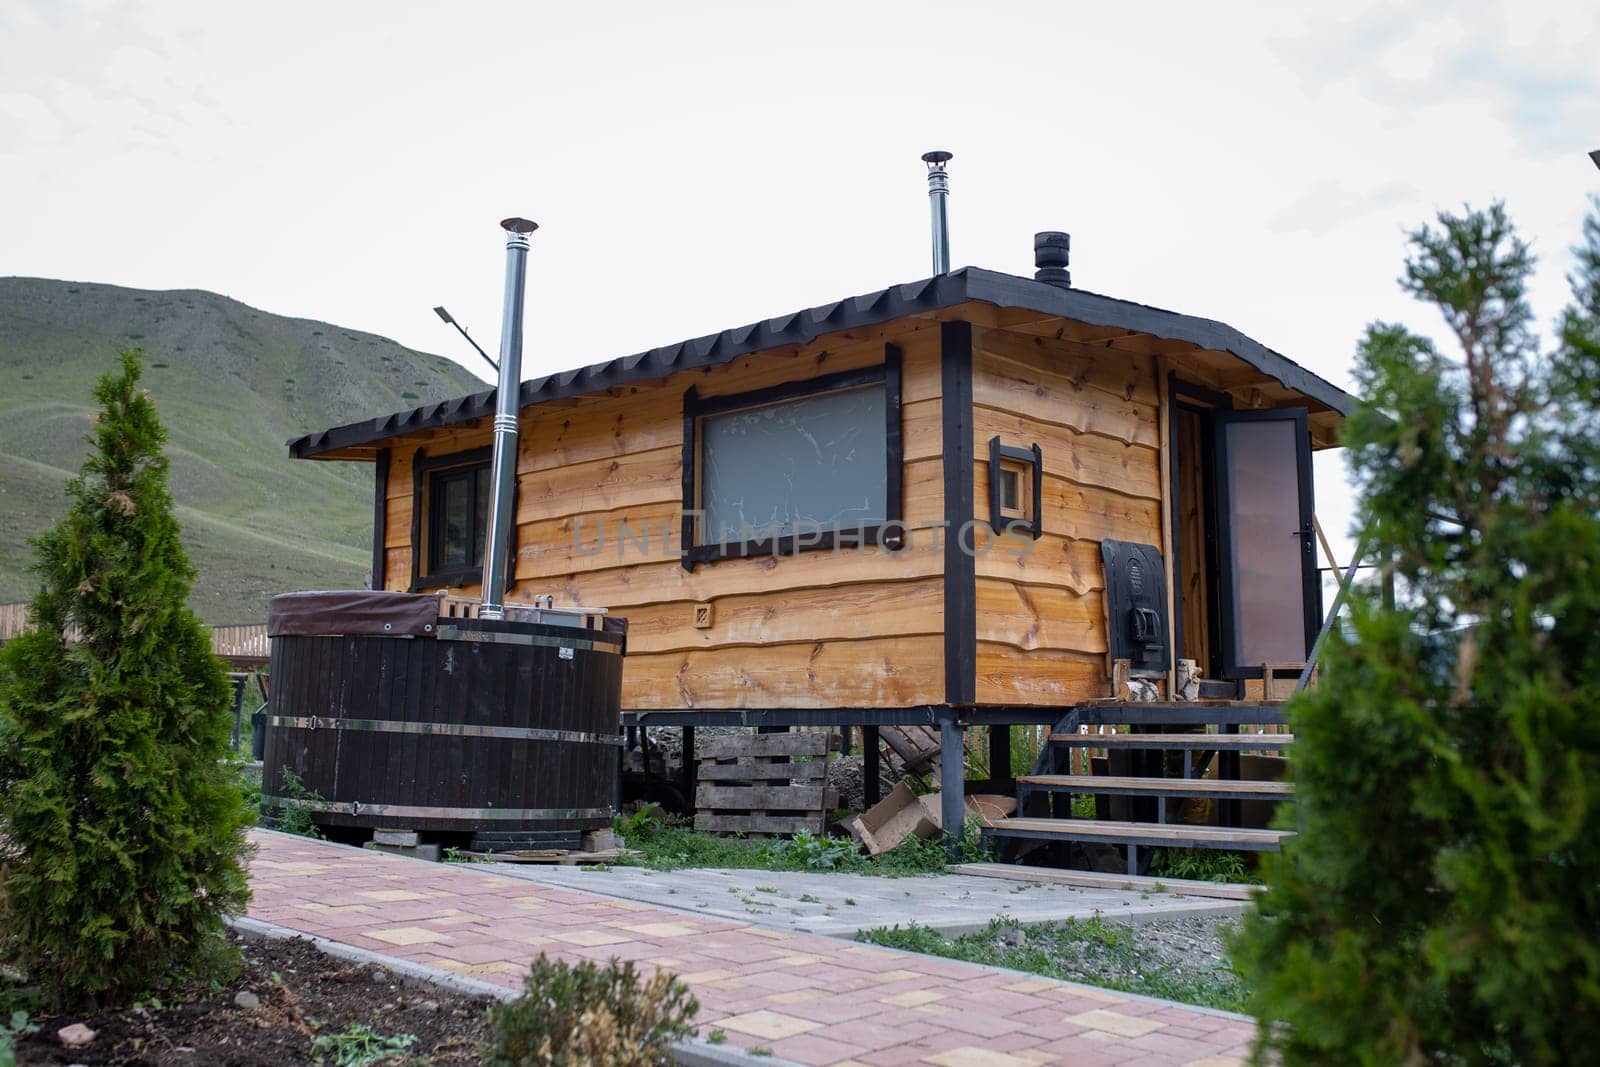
(1265, 541)
(797, 466)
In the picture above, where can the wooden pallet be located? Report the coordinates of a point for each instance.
(765, 783)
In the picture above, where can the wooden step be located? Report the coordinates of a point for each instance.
(1155, 834)
(1184, 712)
(1185, 887)
(1199, 742)
(1158, 787)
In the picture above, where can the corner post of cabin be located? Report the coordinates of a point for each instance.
(960, 570)
(380, 517)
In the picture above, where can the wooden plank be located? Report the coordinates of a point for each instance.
(1030, 616)
(1143, 833)
(765, 797)
(753, 745)
(1072, 564)
(1096, 880)
(1117, 372)
(760, 824)
(1158, 787)
(850, 612)
(1086, 459)
(1008, 675)
(1199, 742)
(1088, 513)
(602, 485)
(1008, 386)
(751, 771)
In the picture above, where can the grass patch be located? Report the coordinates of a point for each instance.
(1202, 865)
(1091, 951)
(672, 846)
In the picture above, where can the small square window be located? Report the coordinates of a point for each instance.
(1014, 487)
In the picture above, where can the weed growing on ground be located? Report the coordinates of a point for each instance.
(1092, 951)
(18, 1027)
(671, 845)
(359, 1046)
(294, 818)
(583, 1014)
(1201, 865)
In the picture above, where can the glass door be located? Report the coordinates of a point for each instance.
(1270, 600)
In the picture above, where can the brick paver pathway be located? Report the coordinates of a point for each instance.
(814, 1000)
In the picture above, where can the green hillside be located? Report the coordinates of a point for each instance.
(232, 384)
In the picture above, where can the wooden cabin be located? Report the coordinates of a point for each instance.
(889, 509)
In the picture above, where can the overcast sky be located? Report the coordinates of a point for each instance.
(699, 166)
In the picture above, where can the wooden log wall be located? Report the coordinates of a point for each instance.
(820, 629)
(1094, 415)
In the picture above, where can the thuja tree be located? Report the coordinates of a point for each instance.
(1441, 903)
(124, 824)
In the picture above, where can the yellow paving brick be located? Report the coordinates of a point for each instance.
(333, 909)
(1036, 1055)
(871, 953)
(1083, 992)
(1029, 986)
(800, 959)
(1216, 1061)
(796, 996)
(932, 1009)
(972, 1056)
(536, 940)
(663, 961)
(912, 998)
(770, 935)
(408, 935)
(591, 938)
(496, 967)
(772, 1025)
(1115, 1023)
(663, 929)
(391, 895)
(706, 976)
(454, 966)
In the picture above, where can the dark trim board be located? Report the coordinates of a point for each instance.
(960, 567)
(803, 327)
(910, 715)
(380, 518)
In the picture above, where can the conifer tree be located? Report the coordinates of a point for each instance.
(1441, 903)
(123, 822)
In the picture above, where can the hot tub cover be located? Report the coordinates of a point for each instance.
(352, 611)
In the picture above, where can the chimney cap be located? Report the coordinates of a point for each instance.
(1052, 249)
(937, 157)
(518, 225)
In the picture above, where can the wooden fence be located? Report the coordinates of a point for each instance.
(241, 645)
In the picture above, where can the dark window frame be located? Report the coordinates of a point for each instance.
(1033, 456)
(890, 533)
(1311, 589)
(1198, 400)
(424, 469)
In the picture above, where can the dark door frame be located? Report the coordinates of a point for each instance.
(1221, 491)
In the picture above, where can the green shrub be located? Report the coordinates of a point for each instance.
(359, 1046)
(124, 820)
(1441, 900)
(588, 1014)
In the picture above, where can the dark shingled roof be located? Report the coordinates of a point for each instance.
(802, 327)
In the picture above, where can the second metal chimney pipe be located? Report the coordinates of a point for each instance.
(938, 196)
(503, 475)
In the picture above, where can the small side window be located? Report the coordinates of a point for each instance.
(1015, 485)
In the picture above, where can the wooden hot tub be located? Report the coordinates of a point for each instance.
(393, 717)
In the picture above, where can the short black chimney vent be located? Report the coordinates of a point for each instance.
(1051, 250)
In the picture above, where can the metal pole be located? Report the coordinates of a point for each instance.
(503, 476)
(938, 197)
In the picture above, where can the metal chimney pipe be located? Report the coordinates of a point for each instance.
(503, 475)
(938, 198)
(1051, 253)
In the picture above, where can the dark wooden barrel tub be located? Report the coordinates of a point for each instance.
(393, 717)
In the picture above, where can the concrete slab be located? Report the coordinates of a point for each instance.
(839, 905)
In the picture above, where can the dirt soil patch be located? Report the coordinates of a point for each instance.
(301, 993)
